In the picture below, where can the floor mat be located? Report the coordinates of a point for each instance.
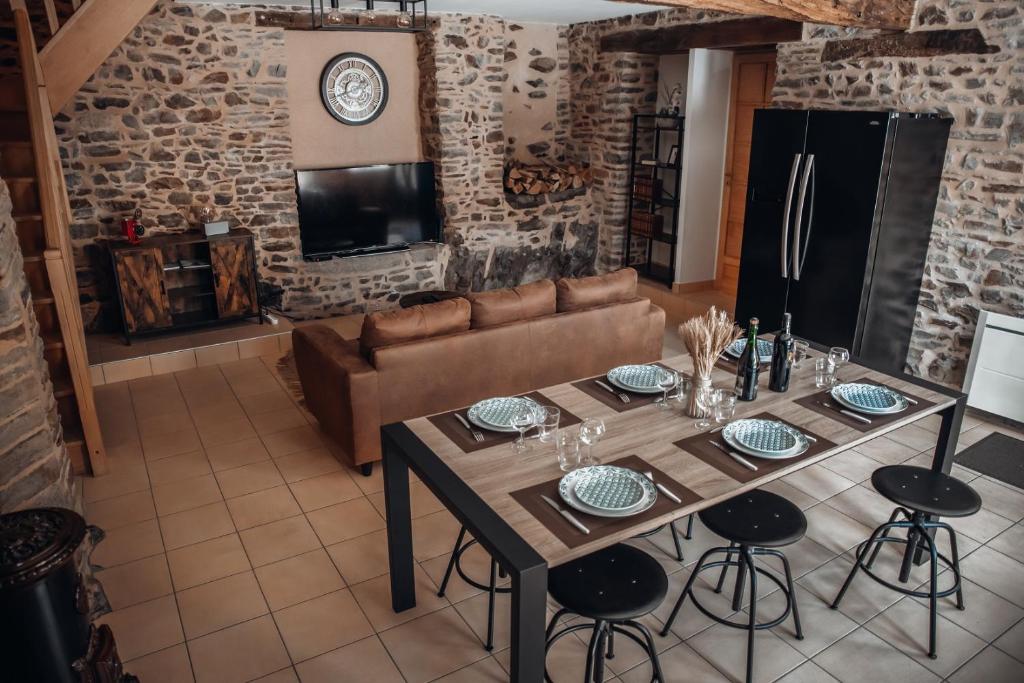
(997, 455)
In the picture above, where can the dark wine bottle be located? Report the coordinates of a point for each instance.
(782, 356)
(749, 366)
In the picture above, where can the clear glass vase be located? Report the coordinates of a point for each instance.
(693, 408)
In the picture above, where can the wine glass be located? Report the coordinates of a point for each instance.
(838, 355)
(707, 398)
(591, 432)
(524, 417)
(667, 381)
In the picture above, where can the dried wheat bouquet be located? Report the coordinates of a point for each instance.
(706, 337)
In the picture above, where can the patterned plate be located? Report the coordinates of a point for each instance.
(764, 349)
(495, 414)
(567, 491)
(869, 398)
(609, 488)
(765, 438)
(641, 379)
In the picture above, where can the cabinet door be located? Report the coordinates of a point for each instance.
(140, 277)
(234, 278)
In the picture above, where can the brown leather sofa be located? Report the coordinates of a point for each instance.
(427, 359)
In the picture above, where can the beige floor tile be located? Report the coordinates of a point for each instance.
(217, 353)
(726, 649)
(372, 483)
(475, 562)
(818, 481)
(216, 416)
(474, 612)
(362, 558)
(434, 534)
(905, 627)
(241, 370)
(237, 453)
(863, 504)
(129, 479)
(863, 600)
(263, 507)
(982, 526)
(886, 451)
(219, 604)
(226, 431)
(821, 624)
(432, 645)
(996, 572)
(134, 582)
(196, 525)
(1012, 642)
(327, 489)
(422, 501)
(679, 660)
(239, 653)
(863, 656)
(565, 660)
(279, 421)
(986, 615)
(292, 441)
(185, 495)
(366, 660)
(852, 465)
(128, 543)
(298, 578)
(322, 624)
(119, 371)
(485, 671)
(172, 361)
(271, 401)
(127, 509)
(914, 436)
(1000, 499)
(279, 540)
(166, 666)
(167, 423)
(180, 441)
(144, 628)
(833, 530)
(1010, 542)
(178, 467)
(990, 666)
(690, 621)
(808, 672)
(374, 597)
(283, 676)
(258, 476)
(343, 521)
(792, 494)
(260, 346)
(305, 464)
(202, 562)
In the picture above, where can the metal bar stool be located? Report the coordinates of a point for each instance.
(455, 562)
(675, 535)
(919, 494)
(611, 589)
(755, 524)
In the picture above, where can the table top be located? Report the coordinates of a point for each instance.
(493, 473)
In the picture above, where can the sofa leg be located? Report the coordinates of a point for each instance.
(366, 469)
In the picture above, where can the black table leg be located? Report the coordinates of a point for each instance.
(942, 461)
(399, 517)
(529, 603)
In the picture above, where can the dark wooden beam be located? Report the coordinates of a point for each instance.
(892, 14)
(720, 34)
(295, 20)
(917, 44)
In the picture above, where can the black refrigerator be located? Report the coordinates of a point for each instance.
(838, 217)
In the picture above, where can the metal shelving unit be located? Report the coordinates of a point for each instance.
(654, 190)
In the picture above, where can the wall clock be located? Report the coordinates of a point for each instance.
(354, 88)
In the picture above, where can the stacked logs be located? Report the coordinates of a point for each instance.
(533, 180)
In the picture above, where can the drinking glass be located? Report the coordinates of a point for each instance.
(707, 399)
(547, 426)
(801, 350)
(523, 419)
(838, 355)
(824, 372)
(685, 388)
(725, 408)
(568, 445)
(591, 432)
(667, 381)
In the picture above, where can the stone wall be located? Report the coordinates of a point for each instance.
(976, 257)
(537, 62)
(34, 467)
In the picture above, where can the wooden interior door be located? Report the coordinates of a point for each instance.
(140, 277)
(233, 276)
(753, 75)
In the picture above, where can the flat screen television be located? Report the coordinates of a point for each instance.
(366, 209)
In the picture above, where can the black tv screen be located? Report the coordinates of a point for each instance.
(366, 208)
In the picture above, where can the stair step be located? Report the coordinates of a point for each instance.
(14, 126)
(17, 159)
(31, 236)
(24, 196)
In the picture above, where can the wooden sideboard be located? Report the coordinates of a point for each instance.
(172, 282)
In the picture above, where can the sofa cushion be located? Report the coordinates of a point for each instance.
(578, 293)
(500, 306)
(385, 328)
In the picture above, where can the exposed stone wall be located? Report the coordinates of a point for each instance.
(976, 256)
(35, 469)
(537, 62)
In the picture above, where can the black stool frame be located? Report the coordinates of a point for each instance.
(602, 644)
(455, 562)
(745, 566)
(920, 530)
(675, 535)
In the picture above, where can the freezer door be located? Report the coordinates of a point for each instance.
(776, 156)
(846, 154)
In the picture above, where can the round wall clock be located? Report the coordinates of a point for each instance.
(354, 88)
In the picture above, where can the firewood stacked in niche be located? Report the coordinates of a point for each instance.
(523, 179)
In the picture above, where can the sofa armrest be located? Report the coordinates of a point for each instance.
(656, 331)
(340, 389)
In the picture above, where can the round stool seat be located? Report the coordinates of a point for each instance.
(925, 491)
(756, 518)
(614, 584)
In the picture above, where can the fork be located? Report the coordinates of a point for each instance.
(622, 395)
(477, 434)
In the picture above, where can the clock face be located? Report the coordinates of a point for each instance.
(354, 88)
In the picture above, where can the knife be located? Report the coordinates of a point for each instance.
(566, 514)
(735, 456)
(668, 494)
(848, 413)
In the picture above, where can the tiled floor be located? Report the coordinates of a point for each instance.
(239, 549)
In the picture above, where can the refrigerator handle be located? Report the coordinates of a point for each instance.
(784, 247)
(801, 199)
(810, 219)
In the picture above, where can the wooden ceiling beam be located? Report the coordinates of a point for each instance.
(887, 14)
(730, 33)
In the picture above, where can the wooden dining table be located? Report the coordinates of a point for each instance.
(488, 488)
